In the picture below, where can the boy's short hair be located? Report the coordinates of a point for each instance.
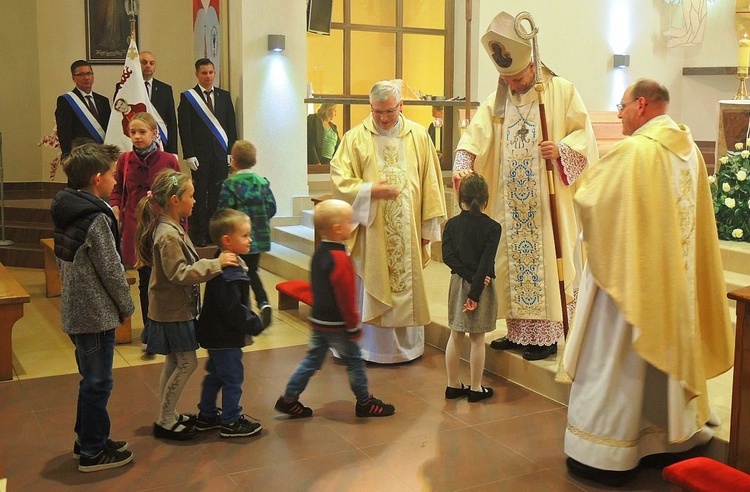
(244, 154)
(87, 161)
(328, 213)
(225, 221)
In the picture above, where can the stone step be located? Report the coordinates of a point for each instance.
(307, 218)
(27, 232)
(296, 237)
(735, 281)
(735, 256)
(25, 255)
(28, 211)
(286, 263)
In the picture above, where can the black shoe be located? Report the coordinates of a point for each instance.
(539, 352)
(504, 344)
(265, 314)
(241, 427)
(204, 423)
(178, 432)
(294, 409)
(374, 408)
(453, 393)
(106, 459)
(609, 478)
(110, 444)
(475, 396)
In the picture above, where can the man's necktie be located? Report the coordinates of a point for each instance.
(148, 89)
(92, 106)
(208, 100)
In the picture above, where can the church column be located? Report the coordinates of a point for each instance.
(269, 89)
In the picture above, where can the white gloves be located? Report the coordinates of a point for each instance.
(229, 160)
(192, 163)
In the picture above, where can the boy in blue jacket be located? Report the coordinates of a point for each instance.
(224, 323)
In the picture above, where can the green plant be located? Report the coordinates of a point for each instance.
(730, 187)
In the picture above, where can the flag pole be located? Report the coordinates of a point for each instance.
(131, 7)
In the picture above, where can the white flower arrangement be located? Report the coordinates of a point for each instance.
(731, 188)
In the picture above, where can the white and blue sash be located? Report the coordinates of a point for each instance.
(84, 114)
(196, 100)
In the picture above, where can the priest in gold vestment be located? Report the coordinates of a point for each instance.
(504, 144)
(388, 169)
(652, 322)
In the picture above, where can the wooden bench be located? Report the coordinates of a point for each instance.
(124, 332)
(12, 299)
(292, 292)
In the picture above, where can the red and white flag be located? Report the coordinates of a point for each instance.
(131, 98)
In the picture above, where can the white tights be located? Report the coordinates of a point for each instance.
(476, 359)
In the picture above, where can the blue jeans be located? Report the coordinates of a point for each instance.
(318, 347)
(94, 353)
(225, 372)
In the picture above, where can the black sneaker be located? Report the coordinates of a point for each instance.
(265, 314)
(106, 459)
(374, 408)
(116, 445)
(242, 427)
(203, 423)
(294, 409)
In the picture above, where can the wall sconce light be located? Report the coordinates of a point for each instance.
(622, 61)
(276, 42)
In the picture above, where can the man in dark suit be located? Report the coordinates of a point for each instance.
(208, 130)
(162, 99)
(81, 112)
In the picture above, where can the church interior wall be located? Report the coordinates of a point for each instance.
(580, 49)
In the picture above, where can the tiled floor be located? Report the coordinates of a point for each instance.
(511, 442)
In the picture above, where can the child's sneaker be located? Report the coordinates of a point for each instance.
(265, 314)
(374, 408)
(242, 427)
(204, 423)
(294, 409)
(116, 445)
(106, 459)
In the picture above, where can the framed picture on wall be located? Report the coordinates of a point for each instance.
(107, 31)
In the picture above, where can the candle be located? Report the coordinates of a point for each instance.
(743, 60)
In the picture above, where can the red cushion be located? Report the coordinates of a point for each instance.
(297, 289)
(706, 475)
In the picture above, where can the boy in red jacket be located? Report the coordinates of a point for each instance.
(335, 317)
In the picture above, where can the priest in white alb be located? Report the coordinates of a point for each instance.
(388, 169)
(652, 322)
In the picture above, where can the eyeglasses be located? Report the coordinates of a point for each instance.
(83, 74)
(387, 112)
(621, 106)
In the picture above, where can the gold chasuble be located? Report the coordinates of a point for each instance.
(507, 155)
(649, 228)
(387, 251)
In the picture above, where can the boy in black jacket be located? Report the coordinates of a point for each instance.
(224, 322)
